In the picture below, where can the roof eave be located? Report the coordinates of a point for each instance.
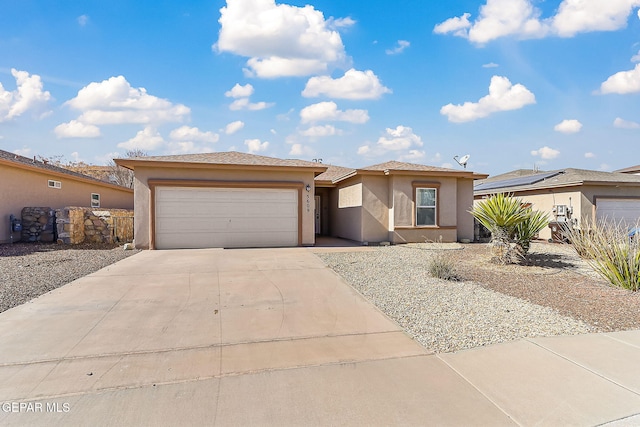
(132, 164)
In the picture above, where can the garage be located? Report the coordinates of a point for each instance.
(201, 217)
(618, 210)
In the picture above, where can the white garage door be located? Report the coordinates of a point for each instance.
(225, 217)
(618, 210)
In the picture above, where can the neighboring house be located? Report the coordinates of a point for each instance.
(231, 199)
(634, 170)
(570, 194)
(31, 183)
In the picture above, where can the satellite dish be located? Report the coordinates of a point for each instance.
(463, 160)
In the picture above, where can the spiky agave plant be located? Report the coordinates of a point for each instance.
(526, 230)
(501, 214)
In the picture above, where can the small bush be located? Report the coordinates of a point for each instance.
(608, 249)
(443, 266)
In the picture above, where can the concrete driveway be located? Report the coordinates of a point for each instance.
(264, 337)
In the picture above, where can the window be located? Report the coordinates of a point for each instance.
(54, 184)
(95, 200)
(425, 206)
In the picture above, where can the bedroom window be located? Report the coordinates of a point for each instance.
(54, 184)
(426, 206)
(95, 200)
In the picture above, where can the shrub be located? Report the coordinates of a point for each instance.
(443, 266)
(608, 249)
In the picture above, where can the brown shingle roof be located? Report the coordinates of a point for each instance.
(226, 158)
(333, 173)
(403, 166)
(631, 169)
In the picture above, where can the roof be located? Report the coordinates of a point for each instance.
(9, 158)
(631, 169)
(222, 158)
(526, 180)
(403, 166)
(333, 174)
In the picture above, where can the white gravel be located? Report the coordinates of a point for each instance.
(444, 316)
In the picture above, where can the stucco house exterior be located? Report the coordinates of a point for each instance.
(29, 183)
(570, 194)
(231, 199)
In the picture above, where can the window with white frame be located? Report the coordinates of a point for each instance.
(54, 184)
(95, 200)
(426, 206)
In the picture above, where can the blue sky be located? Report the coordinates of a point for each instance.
(512, 83)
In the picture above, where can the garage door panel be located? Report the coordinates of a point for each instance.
(225, 217)
(626, 211)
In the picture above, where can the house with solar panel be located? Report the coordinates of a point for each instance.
(570, 195)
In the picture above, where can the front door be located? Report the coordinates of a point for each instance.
(317, 211)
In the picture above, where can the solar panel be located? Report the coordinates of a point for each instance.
(516, 182)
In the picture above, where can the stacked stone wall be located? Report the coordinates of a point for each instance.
(85, 225)
(38, 224)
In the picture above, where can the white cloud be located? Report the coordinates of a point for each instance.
(604, 167)
(340, 22)
(26, 152)
(568, 126)
(238, 91)
(353, 85)
(412, 156)
(503, 96)
(636, 57)
(320, 131)
(401, 140)
(280, 40)
(83, 20)
(301, 150)
(519, 18)
(625, 124)
(328, 111)
(490, 65)
(589, 155)
(187, 147)
(28, 95)
(244, 104)
(400, 47)
(187, 133)
(546, 153)
(622, 82)
(76, 129)
(114, 101)
(148, 139)
(233, 127)
(255, 145)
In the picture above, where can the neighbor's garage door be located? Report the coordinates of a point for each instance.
(618, 210)
(225, 217)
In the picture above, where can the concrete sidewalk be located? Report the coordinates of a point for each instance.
(273, 337)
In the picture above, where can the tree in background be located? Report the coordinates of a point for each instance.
(123, 176)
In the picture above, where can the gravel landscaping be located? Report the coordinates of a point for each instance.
(555, 294)
(28, 270)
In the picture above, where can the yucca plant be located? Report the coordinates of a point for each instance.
(512, 225)
(609, 250)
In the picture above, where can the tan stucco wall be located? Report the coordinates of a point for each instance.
(142, 193)
(345, 222)
(375, 209)
(464, 204)
(25, 188)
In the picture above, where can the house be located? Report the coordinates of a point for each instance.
(570, 194)
(231, 199)
(30, 183)
(634, 170)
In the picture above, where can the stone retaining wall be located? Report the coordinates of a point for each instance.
(38, 224)
(85, 225)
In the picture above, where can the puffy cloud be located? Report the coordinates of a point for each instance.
(114, 101)
(328, 111)
(568, 126)
(76, 129)
(503, 96)
(353, 85)
(301, 150)
(340, 22)
(280, 39)
(244, 104)
(233, 127)
(499, 18)
(589, 155)
(622, 82)
(83, 20)
(187, 147)
(187, 133)
(490, 65)
(238, 91)
(636, 57)
(401, 46)
(28, 95)
(412, 156)
(320, 131)
(401, 139)
(148, 139)
(625, 124)
(255, 145)
(546, 153)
